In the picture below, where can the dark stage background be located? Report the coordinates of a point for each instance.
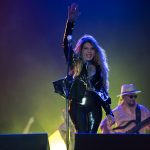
(31, 56)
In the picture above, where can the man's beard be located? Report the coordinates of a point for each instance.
(131, 104)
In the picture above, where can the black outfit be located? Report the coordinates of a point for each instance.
(86, 95)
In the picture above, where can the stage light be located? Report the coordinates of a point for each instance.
(56, 142)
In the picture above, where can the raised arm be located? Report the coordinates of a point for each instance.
(73, 13)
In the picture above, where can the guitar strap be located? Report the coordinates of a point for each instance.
(138, 116)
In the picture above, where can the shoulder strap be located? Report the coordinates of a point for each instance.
(138, 114)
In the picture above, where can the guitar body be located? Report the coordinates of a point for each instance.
(131, 127)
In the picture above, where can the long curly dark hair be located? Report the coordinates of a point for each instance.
(99, 59)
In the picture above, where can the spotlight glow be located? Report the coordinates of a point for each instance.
(56, 142)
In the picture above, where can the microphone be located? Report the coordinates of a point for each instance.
(69, 38)
(91, 69)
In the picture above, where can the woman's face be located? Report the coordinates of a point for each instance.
(88, 52)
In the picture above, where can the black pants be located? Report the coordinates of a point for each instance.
(86, 119)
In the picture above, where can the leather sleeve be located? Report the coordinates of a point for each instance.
(68, 49)
(105, 101)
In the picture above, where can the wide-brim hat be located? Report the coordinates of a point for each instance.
(128, 89)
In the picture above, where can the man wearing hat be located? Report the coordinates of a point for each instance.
(130, 117)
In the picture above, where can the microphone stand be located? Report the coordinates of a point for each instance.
(69, 38)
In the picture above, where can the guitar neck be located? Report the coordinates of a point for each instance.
(139, 126)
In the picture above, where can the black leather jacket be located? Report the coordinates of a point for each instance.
(79, 86)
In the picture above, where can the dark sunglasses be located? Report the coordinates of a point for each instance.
(133, 96)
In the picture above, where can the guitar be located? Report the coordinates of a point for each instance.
(136, 128)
